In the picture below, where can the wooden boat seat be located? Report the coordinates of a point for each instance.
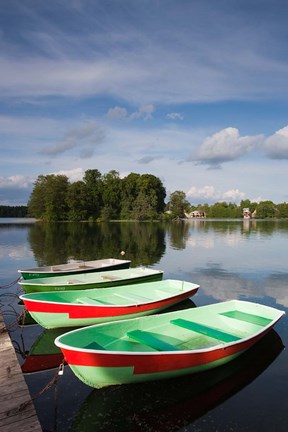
(250, 318)
(91, 301)
(151, 340)
(205, 330)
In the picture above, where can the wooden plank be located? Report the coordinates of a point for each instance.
(16, 407)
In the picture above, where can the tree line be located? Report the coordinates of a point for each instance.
(178, 205)
(13, 211)
(97, 197)
(103, 197)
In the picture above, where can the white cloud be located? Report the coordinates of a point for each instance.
(233, 195)
(206, 192)
(175, 116)
(15, 190)
(210, 54)
(210, 194)
(73, 174)
(117, 113)
(277, 144)
(84, 135)
(16, 181)
(224, 146)
(144, 112)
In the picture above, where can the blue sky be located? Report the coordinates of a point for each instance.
(194, 92)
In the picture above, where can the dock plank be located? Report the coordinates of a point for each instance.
(17, 410)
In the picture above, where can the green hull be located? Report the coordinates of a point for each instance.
(75, 268)
(115, 376)
(91, 280)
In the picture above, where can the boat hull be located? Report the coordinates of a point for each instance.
(71, 309)
(138, 369)
(91, 281)
(74, 268)
(105, 360)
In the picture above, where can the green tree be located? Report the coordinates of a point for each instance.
(266, 209)
(149, 202)
(56, 188)
(111, 195)
(245, 204)
(225, 210)
(178, 204)
(77, 201)
(13, 211)
(144, 207)
(94, 185)
(48, 198)
(130, 191)
(37, 200)
(153, 187)
(220, 210)
(282, 210)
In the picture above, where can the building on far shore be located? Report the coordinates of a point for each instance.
(247, 214)
(195, 214)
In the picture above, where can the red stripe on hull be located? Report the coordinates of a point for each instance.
(154, 362)
(83, 311)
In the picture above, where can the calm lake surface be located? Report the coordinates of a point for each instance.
(231, 259)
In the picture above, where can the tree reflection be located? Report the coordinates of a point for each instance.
(143, 243)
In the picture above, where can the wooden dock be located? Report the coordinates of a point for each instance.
(17, 411)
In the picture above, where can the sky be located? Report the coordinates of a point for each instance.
(194, 92)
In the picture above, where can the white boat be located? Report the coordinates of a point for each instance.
(75, 268)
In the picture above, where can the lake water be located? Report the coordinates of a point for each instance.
(228, 259)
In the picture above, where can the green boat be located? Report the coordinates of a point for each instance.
(85, 307)
(73, 268)
(171, 405)
(165, 345)
(92, 280)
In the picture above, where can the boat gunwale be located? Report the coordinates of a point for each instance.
(191, 291)
(33, 282)
(222, 345)
(47, 269)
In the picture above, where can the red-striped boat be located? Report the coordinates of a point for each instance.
(165, 345)
(74, 308)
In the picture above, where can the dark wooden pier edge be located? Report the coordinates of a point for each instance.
(17, 411)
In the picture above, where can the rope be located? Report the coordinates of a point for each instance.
(14, 323)
(52, 382)
(9, 285)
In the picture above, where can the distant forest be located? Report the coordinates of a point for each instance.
(140, 197)
(13, 211)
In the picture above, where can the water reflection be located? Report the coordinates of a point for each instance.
(169, 405)
(57, 243)
(228, 259)
(44, 354)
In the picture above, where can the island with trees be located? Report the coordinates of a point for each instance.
(141, 197)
